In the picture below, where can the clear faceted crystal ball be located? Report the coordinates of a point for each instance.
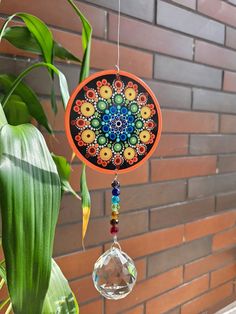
(114, 274)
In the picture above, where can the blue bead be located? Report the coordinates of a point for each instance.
(113, 109)
(105, 117)
(116, 192)
(130, 129)
(105, 128)
(123, 137)
(124, 110)
(130, 119)
(112, 136)
(115, 199)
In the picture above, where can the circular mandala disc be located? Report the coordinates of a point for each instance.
(113, 121)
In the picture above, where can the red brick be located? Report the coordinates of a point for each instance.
(92, 308)
(206, 264)
(136, 310)
(103, 54)
(227, 163)
(78, 264)
(215, 55)
(224, 239)
(153, 241)
(229, 81)
(59, 145)
(209, 225)
(222, 275)
(187, 3)
(219, 10)
(185, 167)
(227, 123)
(97, 180)
(56, 121)
(172, 145)
(133, 32)
(64, 16)
(146, 290)
(188, 122)
(177, 296)
(208, 299)
(231, 37)
(68, 237)
(84, 289)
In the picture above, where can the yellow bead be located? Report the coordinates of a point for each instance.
(145, 112)
(88, 136)
(105, 153)
(144, 136)
(106, 92)
(130, 93)
(129, 153)
(87, 109)
(115, 215)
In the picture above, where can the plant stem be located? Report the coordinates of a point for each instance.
(3, 119)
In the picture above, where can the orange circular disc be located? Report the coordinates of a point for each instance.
(113, 121)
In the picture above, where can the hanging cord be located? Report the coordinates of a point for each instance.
(118, 39)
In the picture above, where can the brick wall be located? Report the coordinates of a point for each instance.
(178, 210)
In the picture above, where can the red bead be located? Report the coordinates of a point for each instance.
(114, 230)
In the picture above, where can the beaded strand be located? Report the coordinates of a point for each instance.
(115, 207)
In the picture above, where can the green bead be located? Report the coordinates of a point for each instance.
(118, 99)
(133, 140)
(115, 207)
(96, 123)
(117, 147)
(134, 108)
(102, 140)
(139, 124)
(101, 105)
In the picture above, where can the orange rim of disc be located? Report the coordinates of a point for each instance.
(67, 121)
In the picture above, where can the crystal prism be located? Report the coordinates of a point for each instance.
(114, 274)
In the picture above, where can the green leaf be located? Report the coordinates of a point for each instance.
(86, 202)
(29, 97)
(59, 298)
(22, 38)
(62, 82)
(86, 42)
(16, 111)
(40, 31)
(3, 119)
(64, 171)
(64, 54)
(30, 198)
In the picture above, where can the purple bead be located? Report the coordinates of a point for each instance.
(114, 230)
(116, 192)
(115, 184)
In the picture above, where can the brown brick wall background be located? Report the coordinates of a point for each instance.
(178, 210)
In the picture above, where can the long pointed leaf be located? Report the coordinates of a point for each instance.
(30, 197)
(86, 202)
(62, 82)
(86, 41)
(40, 31)
(64, 171)
(28, 96)
(59, 298)
(22, 38)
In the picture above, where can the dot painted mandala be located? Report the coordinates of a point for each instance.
(113, 121)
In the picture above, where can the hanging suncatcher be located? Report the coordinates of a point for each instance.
(113, 124)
